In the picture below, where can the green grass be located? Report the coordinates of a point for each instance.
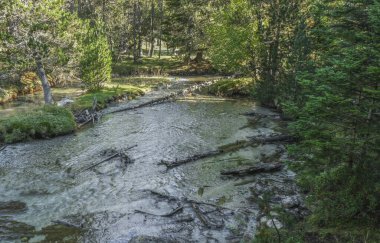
(105, 96)
(232, 87)
(45, 122)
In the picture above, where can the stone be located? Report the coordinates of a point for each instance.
(290, 202)
(64, 102)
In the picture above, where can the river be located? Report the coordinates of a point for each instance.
(61, 201)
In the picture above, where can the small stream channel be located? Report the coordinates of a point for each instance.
(46, 196)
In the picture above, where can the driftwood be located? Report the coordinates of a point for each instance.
(173, 164)
(253, 141)
(260, 115)
(67, 224)
(175, 211)
(273, 139)
(251, 170)
(118, 154)
(2, 148)
(149, 103)
(204, 219)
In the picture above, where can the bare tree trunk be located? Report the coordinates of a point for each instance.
(44, 80)
(152, 30)
(160, 35)
(135, 56)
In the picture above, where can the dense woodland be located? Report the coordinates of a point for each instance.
(317, 61)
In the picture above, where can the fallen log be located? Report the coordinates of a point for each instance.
(67, 224)
(171, 165)
(2, 148)
(255, 169)
(253, 141)
(272, 139)
(175, 211)
(261, 115)
(149, 103)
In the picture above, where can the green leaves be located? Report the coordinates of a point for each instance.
(96, 59)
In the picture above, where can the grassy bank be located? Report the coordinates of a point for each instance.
(51, 121)
(105, 96)
(44, 122)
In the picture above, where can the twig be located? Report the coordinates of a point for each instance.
(278, 232)
(101, 162)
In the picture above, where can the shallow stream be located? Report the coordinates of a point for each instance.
(55, 199)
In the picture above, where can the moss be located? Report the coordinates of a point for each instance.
(232, 87)
(45, 122)
(105, 96)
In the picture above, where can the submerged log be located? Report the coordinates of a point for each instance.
(67, 224)
(255, 169)
(149, 103)
(253, 141)
(273, 139)
(175, 211)
(176, 163)
(3, 147)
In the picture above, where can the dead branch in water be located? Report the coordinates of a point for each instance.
(2, 148)
(254, 141)
(67, 224)
(175, 211)
(118, 154)
(149, 103)
(251, 170)
(204, 219)
(273, 139)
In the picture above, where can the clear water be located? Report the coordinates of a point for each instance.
(47, 176)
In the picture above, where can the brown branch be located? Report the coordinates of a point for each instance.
(259, 168)
(175, 211)
(149, 103)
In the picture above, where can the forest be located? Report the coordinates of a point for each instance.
(255, 89)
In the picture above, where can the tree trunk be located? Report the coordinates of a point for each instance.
(44, 80)
(160, 34)
(135, 56)
(152, 31)
(199, 57)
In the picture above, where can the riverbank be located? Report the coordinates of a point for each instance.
(38, 122)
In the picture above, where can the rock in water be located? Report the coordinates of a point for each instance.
(65, 102)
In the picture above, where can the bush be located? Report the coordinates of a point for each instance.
(48, 121)
(96, 60)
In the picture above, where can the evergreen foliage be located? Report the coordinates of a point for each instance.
(96, 60)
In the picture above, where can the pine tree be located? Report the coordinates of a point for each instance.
(339, 120)
(96, 60)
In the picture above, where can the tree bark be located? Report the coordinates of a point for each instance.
(152, 30)
(44, 80)
(160, 34)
